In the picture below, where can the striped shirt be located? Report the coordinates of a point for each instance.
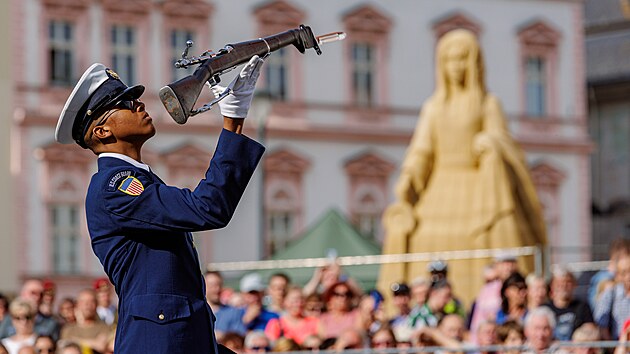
(612, 309)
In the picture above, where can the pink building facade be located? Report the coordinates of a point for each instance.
(338, 126)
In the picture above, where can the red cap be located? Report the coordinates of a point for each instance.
(101, 283)
(48, 285)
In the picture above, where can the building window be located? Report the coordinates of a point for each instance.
(363, 70)
(536, 91)
(281, 228)
(367, 215)
(61, 56)
(368, 224)
(276, 75)
(65, 226)
(123, 53)
(178, 45)
(539, 48)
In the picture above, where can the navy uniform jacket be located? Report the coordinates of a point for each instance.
(145, 245)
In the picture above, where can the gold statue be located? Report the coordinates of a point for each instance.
(464, 183)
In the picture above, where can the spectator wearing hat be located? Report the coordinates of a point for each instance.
(229, 319)
(48, 298)
(256, 316)
(140, 228)
(400, 322)
(371, 312)
(105, 308)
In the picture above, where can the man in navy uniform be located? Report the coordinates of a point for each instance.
(139, 226)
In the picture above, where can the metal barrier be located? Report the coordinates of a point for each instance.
(555, 348)
(535, 251)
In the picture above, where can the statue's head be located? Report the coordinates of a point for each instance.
(459, 63)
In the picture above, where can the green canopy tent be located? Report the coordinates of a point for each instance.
(332, 234)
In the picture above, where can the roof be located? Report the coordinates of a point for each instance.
(607, 57)
(607, 24)
(603, 12)
(331, 231)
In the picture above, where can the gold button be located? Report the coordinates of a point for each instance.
(161, 317)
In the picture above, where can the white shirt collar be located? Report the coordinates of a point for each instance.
(126, 159)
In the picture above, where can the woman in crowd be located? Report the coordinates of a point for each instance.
(23, 319)
(340, 315)
(513, 299)
(292, 323)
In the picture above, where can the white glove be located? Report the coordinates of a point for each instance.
(236, 103)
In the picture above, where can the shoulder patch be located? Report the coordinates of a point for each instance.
(132, 186)
(116, 177)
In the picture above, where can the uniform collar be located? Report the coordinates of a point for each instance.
(126, 159)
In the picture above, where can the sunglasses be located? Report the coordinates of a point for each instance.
(341, 294)
(118, 105)
(22, 318)
(261, 348)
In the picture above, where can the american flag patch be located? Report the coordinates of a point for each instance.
(131, 185)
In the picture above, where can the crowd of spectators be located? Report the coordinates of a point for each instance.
(522, 312)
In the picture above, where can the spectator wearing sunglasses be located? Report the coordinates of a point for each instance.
(23, 319)
(257, 342)
(140, 227)
(340, 314)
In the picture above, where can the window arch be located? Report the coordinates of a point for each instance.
(368, 177)
(284, 198)
(538, 44)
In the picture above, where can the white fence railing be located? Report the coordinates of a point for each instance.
(383, 259)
